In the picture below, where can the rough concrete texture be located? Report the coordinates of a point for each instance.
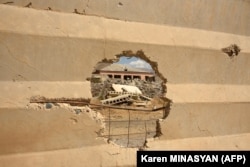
(30, 130)
(223, 16)
(51, 53)
(38, 49)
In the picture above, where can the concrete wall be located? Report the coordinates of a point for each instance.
(38, 49)
(230, 16)
(45, 46)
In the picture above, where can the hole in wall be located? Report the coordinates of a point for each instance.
(128, 100)
(232, 50)
(130, 93)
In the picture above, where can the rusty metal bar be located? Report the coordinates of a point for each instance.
(109, 123)
(130, 120)
(128, 126)
(85, 102)
(125, 134)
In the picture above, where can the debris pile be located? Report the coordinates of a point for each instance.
(127, 95)
(146, 89)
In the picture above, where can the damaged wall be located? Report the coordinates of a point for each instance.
(66, 47)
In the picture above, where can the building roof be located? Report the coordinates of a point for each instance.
(122, 67)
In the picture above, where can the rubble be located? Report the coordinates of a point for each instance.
(126, 88)
(137, 93)
(127, 109)
(110, 88)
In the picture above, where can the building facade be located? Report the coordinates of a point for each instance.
(122, 72)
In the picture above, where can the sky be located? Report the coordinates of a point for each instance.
(134, 62)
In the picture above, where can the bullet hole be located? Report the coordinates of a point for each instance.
(77, 12)
(232, 50)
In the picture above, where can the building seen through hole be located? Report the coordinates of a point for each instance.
(130, 71)
(129, 92)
